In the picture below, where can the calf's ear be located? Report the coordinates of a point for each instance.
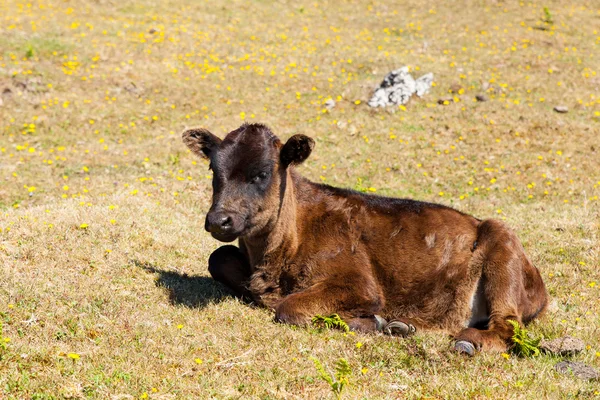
(296, 150)
(200, 141)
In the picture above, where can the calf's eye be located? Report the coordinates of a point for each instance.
(259, 177)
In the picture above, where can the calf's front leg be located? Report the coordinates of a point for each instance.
(356, 300)
(230, 266)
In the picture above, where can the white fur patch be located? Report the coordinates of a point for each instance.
(430, 240)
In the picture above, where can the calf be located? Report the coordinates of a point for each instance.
(383, 264)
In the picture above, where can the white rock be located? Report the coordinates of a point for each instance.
(398, 86)
(424, 84)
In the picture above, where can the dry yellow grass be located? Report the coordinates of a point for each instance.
(104, 291)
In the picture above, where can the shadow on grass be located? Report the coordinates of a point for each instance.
(189, 291)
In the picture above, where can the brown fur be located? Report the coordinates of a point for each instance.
(308, 249)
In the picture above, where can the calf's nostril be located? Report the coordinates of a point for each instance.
(226, 222)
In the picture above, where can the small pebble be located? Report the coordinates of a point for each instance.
(561, 109)
(481, 97)
(455, 88)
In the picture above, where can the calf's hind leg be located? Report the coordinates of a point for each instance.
(512, 287)
(229, 266)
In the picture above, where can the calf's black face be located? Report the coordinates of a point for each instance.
(250, 169)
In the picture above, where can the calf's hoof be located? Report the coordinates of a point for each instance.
(464, 347)
(399, 328)
(380, 323)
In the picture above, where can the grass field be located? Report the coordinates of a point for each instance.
(104, 290)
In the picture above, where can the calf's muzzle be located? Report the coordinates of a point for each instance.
(223, 226)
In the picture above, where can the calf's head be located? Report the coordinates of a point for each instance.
(250, 169)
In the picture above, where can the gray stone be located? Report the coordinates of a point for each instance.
(561, 109)
(329, 104)
(481, 97)
(579, 369)
(564, 346)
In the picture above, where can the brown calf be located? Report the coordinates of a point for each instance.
(382, 264)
